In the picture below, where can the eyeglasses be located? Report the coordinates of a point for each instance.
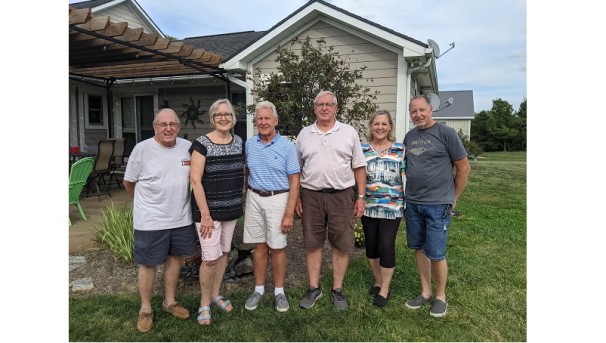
(222, 115)
(172, 125)
(324, 105)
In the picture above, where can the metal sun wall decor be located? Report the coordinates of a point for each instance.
(192, 112)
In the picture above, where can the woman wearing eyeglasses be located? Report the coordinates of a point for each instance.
(217, 177)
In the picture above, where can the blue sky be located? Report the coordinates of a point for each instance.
(489, 56)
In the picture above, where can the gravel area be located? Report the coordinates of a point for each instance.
(112, 276)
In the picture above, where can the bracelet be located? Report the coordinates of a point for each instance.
(361, 196)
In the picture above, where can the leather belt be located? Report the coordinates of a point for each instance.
(268, 193)
(327, 190)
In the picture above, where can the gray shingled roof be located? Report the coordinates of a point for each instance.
(227, 44)
(462, 106)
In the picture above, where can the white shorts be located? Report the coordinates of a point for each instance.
(219, 242)
(263, 219)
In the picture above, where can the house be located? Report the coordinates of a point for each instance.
(118, 79)
(458, 115)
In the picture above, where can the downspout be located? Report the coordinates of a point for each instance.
(246, 86)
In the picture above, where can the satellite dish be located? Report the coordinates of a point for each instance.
(435, 101)
(435, 47)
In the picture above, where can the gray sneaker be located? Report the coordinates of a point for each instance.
(417, 302)
(309, 300)
(338, 299)
(253, 301)
(438, 309)
(281, 303)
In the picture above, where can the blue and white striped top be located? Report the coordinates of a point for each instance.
(270, 164)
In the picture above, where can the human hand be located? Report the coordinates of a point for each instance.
(206, 227)
(299, 207)
(287, 222)
(359, 207)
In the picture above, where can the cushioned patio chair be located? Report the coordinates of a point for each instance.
(78, 176)
(117, 165)
(102, 169)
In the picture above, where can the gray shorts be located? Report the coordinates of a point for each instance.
(153, 247)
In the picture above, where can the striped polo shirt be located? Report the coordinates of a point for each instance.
(270, 164)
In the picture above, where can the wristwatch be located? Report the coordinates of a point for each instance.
(361, 196)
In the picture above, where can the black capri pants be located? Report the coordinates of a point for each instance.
(380, 239)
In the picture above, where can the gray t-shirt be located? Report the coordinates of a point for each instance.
(430, 156)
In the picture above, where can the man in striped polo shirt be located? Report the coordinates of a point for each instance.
(273, 188)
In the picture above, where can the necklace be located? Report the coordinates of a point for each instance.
(382, 152)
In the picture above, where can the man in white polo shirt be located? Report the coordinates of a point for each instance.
(332, 162)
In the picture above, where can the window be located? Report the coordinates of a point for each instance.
(95, 110)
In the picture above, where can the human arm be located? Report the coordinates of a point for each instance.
(360, 176)
(130, 188)
(462, 170)
(196, 171)
(293, 196)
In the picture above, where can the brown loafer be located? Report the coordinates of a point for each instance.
(145, 321)
(176, 310)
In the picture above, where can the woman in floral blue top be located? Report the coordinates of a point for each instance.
(384, 202)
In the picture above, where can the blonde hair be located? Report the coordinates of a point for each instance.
(390, 135)
(215, 107)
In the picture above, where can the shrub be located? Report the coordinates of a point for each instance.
(115, 230)
(359, 234)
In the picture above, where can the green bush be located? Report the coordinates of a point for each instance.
(115, 230)
(359, 234)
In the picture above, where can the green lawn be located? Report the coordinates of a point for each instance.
(486, 287)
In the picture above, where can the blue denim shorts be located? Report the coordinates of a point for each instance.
(427, 229)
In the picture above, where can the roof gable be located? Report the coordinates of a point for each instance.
(314, 11)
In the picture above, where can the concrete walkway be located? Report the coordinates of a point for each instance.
(82, 232)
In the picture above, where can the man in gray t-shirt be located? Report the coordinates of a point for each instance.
(433, 150)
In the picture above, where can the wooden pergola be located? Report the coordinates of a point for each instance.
(102, 51)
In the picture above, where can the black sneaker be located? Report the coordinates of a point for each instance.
(309, 300)
(338, 299)
(374, 290)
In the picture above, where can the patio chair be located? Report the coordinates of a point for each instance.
(117, 164)
(78, 176)
(105, 155)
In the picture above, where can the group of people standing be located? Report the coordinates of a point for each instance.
(186, 191)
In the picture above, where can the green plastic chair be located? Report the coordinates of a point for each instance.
(78, 175)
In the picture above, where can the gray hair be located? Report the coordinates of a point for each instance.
(422, 96)
(169, 110)
(323, 93)
(269, 105)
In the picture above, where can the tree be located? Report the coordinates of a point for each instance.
(303, 71)
(500, 129)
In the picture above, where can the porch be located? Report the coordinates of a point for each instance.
(81, 233)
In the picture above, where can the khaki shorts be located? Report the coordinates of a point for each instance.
(328, 212)
(263, 219)
(219, 242)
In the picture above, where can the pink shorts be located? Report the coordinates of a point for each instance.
(219, 242)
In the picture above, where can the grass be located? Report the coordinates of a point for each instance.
(486, 287)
